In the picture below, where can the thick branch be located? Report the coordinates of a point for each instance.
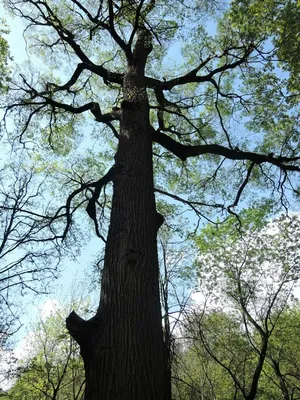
(87, 64)
(184, 151)
(67, 36)
(80, 68)
(258, 369)
(124, 46)
(280, 377)
(192, 77)
(82, 331)
(92, 106)
(143, 47)
(136, 22)
(91, 207)
(242, 187)
(75, 325)
(95, 20)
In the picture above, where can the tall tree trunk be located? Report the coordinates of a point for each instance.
(122, 346)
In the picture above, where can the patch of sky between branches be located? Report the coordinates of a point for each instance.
(70, 268)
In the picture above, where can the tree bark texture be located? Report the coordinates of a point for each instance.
(122, 346)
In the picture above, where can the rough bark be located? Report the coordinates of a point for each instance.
(122, 346)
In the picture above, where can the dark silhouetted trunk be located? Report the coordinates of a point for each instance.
(122, 346)
(282, 384)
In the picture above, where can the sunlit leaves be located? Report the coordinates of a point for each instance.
(277, 21)
(4, 57)
(220, 337)
(260, 261)
(51, 367)
(244, 331)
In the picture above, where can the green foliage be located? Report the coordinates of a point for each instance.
(214, 236)
(220, 342)
(277, 21)
(284, 353)
(4, 57)
(52, 367)
(216, 342)
(245, 332)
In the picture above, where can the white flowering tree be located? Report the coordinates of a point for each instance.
(248, 278)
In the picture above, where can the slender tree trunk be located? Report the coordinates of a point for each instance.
(283, 387)
(122, 346)
(258, 369)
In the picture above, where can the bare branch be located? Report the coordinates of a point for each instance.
(91, 207)
(192, 77)
(124, 46)
(184, 151)
(242, 187)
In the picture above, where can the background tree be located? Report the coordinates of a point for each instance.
(175, 126)
(200, 369)
(277, 21)
(177, 282)
(28, 254)
(29, 247)
(248, 285)
(282, 371)
(199, 375)
(51, 367)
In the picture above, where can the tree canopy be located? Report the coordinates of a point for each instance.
(51, 367)
(236, 341)
(231, 75)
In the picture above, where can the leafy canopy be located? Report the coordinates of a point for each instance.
(223, 111)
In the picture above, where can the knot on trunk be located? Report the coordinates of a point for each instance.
(82, 331)
(160, 220)
(143, 45)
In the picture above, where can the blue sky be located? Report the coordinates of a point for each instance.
(69, 268)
